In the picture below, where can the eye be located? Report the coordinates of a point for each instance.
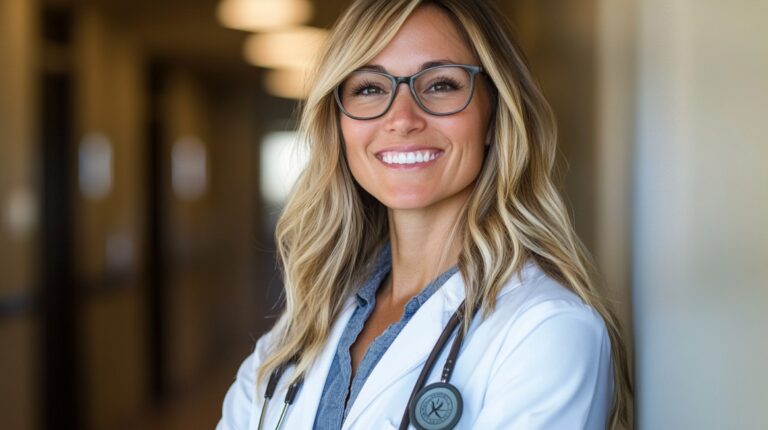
(368, 89)
(444, 84)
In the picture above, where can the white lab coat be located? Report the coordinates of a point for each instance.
(541, 360)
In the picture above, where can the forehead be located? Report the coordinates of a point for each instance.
(429, 34)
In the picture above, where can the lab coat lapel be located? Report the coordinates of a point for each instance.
(411, 347)
(308, 400)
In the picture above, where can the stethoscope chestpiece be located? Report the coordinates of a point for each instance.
(438, 406)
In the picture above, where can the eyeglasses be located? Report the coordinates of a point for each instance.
(440, 90)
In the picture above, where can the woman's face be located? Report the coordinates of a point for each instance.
(457, 140)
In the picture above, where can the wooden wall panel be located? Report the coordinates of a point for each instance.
(109, 230)
(19, 394)
(19, 397)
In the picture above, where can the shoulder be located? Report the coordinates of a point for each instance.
(535, 314)
(238, 404)
(532, 296)
(549, 359)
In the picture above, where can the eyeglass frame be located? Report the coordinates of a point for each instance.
(397, 80)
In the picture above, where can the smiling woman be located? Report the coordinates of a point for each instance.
(444, 117)
(427, 215)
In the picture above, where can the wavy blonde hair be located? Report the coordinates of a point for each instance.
(330, 230)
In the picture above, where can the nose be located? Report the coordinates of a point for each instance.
(404, 116)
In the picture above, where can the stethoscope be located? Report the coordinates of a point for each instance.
(438, 406)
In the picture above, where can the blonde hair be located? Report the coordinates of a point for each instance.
(330, 230)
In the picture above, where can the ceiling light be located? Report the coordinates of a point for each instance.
(286, 83)
(293, 48)
(256, 15)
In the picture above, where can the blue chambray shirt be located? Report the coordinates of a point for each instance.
(331, 411)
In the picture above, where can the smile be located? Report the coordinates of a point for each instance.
(412, 157)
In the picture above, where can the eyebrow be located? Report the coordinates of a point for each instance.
(426, 65)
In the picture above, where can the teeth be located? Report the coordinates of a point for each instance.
(408, 157)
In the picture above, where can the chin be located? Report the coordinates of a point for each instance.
(405, 202)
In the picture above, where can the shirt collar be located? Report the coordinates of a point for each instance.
(382, 266)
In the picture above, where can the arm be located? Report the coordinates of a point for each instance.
(238, 403)
(555, 376)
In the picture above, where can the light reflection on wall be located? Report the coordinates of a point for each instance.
(188, 168)
(120, 252)
(282, 160)
(95, 166)
(21, 212)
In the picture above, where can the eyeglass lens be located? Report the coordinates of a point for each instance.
(441, 90)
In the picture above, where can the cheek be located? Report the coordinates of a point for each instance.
(355, 133)
(347, 131)
(355, 136)
(469, 133)
(469, 137)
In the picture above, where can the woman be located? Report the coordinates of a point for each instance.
(429, 197)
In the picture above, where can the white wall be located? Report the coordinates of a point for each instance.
(700, 240)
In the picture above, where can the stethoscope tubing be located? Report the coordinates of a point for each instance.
(450, 362)
(445, 377)
(290, 394)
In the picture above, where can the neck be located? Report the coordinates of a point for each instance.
(423, 247)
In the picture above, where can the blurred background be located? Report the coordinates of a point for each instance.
(145, 152)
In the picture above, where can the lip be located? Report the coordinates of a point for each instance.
(408, 148)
